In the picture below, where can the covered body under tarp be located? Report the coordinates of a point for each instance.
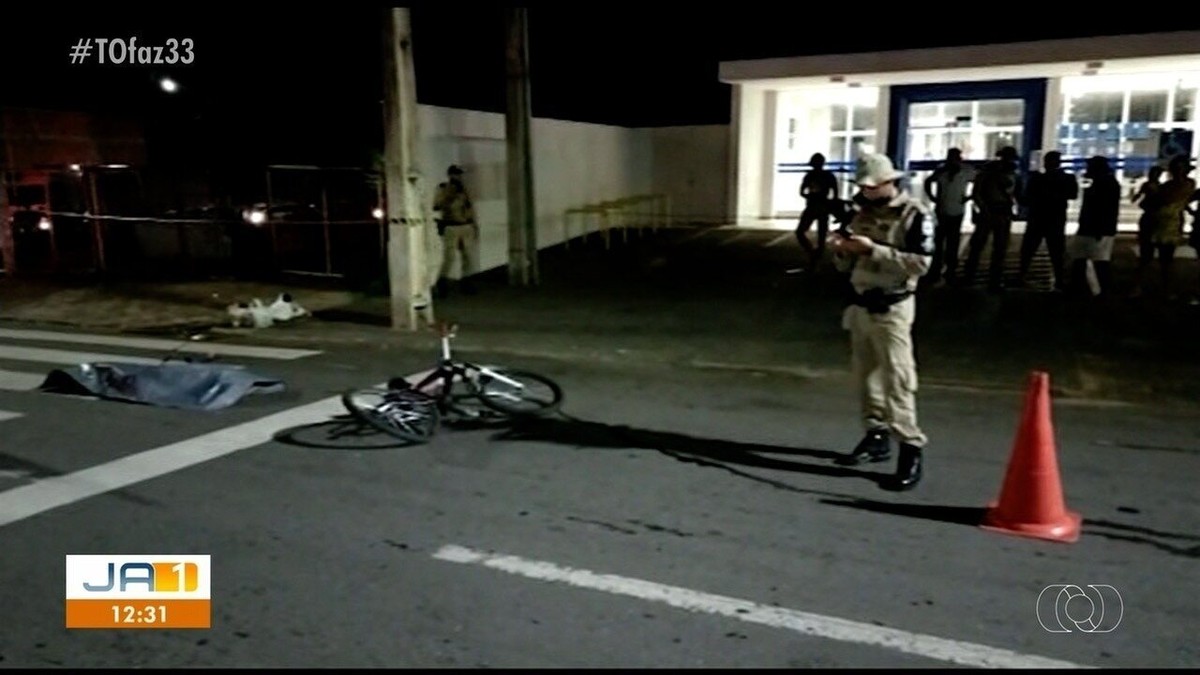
(173, 384)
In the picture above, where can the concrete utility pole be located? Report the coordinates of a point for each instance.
(407, 265)
(522, 219)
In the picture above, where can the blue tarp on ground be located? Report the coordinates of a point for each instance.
(173, 384)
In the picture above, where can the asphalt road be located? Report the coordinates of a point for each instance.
(673, 517)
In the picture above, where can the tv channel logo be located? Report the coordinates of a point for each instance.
(1067, 608)
(138, 591)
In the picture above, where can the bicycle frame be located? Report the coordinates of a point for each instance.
(448, 370)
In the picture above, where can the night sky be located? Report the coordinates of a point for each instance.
(272, 83)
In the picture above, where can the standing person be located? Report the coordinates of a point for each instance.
(995, 194)
(819, 189)
(888, 246)
(460, 232)
(1146, 198)
(1047, 197)
(1167, 213)
(947, 189)
(1098, 215)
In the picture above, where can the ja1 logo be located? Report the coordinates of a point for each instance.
(141, 591)
(1066, 608)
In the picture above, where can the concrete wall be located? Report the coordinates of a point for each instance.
(691, 165)
(575, 164)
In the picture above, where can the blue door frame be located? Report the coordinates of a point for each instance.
(1032, 91)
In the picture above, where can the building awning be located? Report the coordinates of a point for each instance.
(1151, 52)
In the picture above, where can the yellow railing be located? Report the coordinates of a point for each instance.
(637, 212)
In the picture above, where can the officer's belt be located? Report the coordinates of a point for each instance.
(877, 301)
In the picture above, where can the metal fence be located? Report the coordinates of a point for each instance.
(225, 221)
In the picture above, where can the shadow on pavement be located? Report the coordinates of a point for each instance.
(1143, 535)
(959, 515)
(968, 515)
(340, 433)
(714, 452)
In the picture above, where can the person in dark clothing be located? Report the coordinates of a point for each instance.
(996, 193)
(1046, 196)
(819, 189)
(947, 188)
(1098, 217)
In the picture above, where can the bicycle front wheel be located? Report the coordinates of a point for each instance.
(408, 415)
(519, 393)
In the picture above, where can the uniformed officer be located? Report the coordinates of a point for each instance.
(887, 246)
(459, 230)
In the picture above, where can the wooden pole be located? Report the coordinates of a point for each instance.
(407, 226)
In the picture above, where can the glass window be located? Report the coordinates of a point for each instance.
(1148, 106)
(994, 140)
(864, 118)
(1185, 99)
(858, 142)
(837, 149)
(1143, 148)
(1097, 107)
(957, 113)
(925, 115)
(1002, 113)
(962, 141)
(837, 117)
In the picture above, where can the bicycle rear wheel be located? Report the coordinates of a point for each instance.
(533, 396)
(408, 415)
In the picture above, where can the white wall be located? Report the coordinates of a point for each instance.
(749, 117)
(574, 164)
(691, 165)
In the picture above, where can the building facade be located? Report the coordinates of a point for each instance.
(1132, 98)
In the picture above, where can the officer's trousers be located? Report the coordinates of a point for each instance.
(885, 369)
(459, 239)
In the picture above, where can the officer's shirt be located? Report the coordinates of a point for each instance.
(902, 230)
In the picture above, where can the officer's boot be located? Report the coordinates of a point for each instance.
(908, 468)
(874, 447)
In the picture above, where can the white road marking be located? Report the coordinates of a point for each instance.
(218, 349)
(12, 380)
(833, 628)
(50, 493)
(62, 357)
(29, 500)
(5, 415)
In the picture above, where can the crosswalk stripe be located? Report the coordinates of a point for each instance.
(62, 357)
(5, 415)
(160, 344)
(11, 380)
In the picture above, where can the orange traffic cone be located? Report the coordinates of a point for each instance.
(1031, 499)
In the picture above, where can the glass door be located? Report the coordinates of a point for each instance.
(978, 128)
